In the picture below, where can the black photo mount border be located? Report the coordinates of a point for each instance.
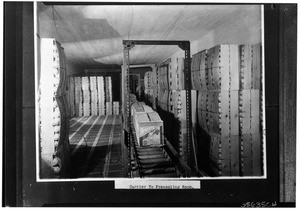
(19, 146)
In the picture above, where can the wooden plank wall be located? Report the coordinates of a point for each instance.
(92, 96)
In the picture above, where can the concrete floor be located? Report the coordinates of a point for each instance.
(96, 147)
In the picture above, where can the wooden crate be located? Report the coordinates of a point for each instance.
(86, 96)
(116, 108)
(53, 110)
(170, 101)
(94, 96)
(177, 104)
(249, 105)
(199, 70)
(154, 78)
(139, 107)
(256, 67)
(149, 129)
(108, 108)
(225, 154)
(163, 98)
(162, 77)
(108, 89)
(250, 66)
(101, 95)
(71, 92)
(78, 97)
(86, 103)
(176, 73)
(223, 112)
(251, 154)
(223, 67)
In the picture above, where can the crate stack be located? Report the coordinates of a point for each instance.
(92, 96)
(177, 104)
(250, 110)
(78, 96)
(108, 92)
(163, 85)
(148, 84)
(227, 78)
(54, 111)
(101, 95)
(154, 86)
(116, 108)
(71, 96)
(169, 87)
(86, 96)
(222, 108)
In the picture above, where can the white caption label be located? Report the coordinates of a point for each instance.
(156, 184)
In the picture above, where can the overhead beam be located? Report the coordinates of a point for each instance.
(183, 44)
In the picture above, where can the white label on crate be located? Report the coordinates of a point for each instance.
(156, 184)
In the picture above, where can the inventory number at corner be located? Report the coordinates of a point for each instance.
(260, 204)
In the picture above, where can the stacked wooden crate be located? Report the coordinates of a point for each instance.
(222, 108)
(172, 99)
(163, 85)
(250, 110)
(116, 108)
(71, 94)
(227, 79)
(101, 95)
(78, 97)
(147, 84)
(92, 96)
(108, 92)
(54, 111)
(154, 86)
(86, 96)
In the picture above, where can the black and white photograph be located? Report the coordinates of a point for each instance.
(138, 104)
(212, 127)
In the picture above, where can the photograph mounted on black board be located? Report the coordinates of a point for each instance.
(82, 126)
(110, 102)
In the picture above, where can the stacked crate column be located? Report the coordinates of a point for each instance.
(86, 96)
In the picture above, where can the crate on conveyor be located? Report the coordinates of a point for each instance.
(137, 107)
(149, 129)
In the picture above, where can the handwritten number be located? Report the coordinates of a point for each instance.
(274, 204)
(259, 204)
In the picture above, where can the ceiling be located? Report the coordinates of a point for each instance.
(92, 35)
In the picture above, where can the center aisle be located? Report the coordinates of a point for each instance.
(96, 147)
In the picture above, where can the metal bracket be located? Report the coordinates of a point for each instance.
(128, 45)
(184, 46)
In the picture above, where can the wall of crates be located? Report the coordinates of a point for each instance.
(91, 95)
(226, 105)
(53, 111)
(165, 86)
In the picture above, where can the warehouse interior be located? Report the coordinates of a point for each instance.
(91, 137)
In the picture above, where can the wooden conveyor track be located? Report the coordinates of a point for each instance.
(153, 161)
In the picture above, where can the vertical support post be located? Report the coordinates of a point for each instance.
(154, 90)
(126, 101)
(187, 73)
